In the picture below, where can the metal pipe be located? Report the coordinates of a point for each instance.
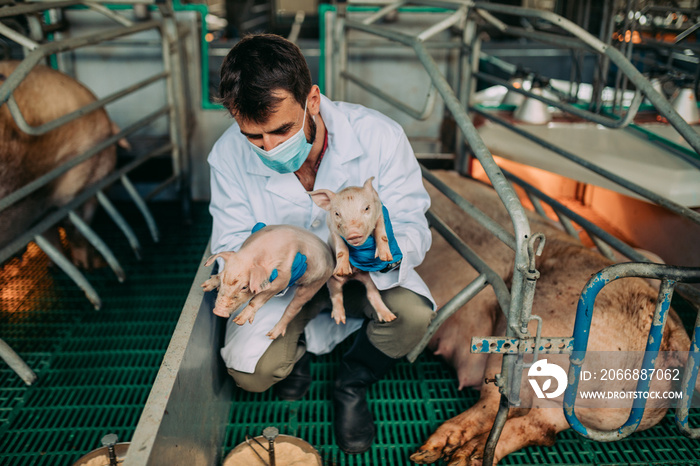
(450, 307)
(141, 204)
(94, 239)
(503, 295)
(420, 115)
(46, 127)
(32, 186)
(58, 215)
(71, 270)
(635, 188)
(16, 363)
(17, 37)
(688, 382)
(487, 222)
(584, 315)
(108, 13)
(437, 28)
(121, 223)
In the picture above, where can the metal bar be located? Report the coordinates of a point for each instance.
(97, 242)
(16, 363)
(503, 295)
(440, 26)
(495, 433)
(566, 223)
(420, 115)
(500, 345)
(83, 196)
(17, 37)
(29, 188)
(450, 307)
(635, 188)
(663, 106)
(536, 204)
(604, 249)
(487, 222)
(141, 204)
(172, 179)
(71, 270)
(690, 377)
(605, 121)
(108, 13)
(383, 12)
(121, 223)
(28, 8)
(584, 314)
(50, 48)
(46, 127)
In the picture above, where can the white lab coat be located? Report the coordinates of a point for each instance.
(361, 143)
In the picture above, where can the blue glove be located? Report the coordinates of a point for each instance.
(362, 257)
(298, 265)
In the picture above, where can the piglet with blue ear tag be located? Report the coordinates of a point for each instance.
(363, 240)
(271, 259)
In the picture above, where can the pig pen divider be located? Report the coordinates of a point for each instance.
(176, 146)
(468, 45)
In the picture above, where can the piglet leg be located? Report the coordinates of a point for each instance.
(335, 287)
(258, 301)
(384, 314)
(212, 284)
(380, 237)
(303, 294)
(342, 256)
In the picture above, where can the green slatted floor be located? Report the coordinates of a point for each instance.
(96, 369)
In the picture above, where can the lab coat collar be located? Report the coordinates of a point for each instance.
(343, 147)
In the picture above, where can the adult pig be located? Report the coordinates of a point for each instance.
(264, 266)
(45, 95)
(621, 322)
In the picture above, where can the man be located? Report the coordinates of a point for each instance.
(289, 139)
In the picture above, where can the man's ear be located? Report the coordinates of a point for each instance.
(259, 279)
(226, 256)
(314, 100)
(322, 198)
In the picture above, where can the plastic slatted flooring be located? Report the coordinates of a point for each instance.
(96, 369)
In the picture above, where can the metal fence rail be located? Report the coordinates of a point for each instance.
(36, 51)
(466, 27)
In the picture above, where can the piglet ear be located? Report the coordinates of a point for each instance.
(226, 256)
(259, 279)
(322, 198)
(368, 184)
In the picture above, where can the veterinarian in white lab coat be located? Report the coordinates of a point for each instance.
(289, 139)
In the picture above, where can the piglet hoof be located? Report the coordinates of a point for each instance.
(246, 315)
(384, 254)
(343, 269)
(276, 332)
(338, 316)
(386, 316)
(425, 456)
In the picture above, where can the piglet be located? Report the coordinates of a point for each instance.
(354, 213)
(249, 274)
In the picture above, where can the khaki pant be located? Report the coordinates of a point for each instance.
(395, 339)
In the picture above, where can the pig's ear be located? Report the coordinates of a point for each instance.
(368, 184)
(259, 279)
(322, 198)
(224, 255)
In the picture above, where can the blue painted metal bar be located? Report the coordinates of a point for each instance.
(690, 376)
(584, 315)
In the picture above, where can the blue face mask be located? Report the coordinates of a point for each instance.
(289, 156)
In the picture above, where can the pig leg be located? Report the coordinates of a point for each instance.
(537, 427)
(335, 287)
(384, 314)
(303, 295)
(342, 256)
(380, 237)
(456, 432)
(212, 284)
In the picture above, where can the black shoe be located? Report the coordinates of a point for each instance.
(297, 383)
(361, 366)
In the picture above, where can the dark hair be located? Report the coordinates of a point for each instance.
(258, 65)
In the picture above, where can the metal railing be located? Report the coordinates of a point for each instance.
(37, 51)
(517, 301)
